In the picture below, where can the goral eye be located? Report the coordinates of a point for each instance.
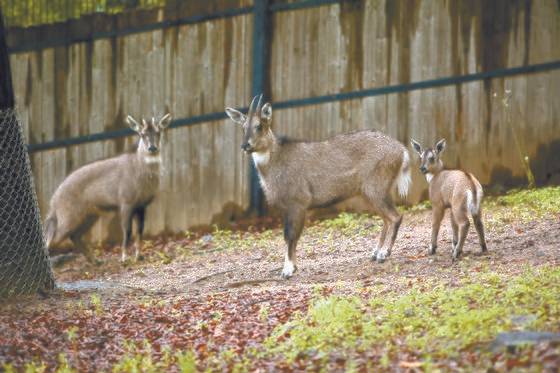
(431, 159)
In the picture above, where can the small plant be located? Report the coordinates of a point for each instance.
(202, 325)
(96, 303)
(263, 312)
(164, 257)
(217, 315)
(186, 362)
(72, 333)
(138, 359)
(63, 365)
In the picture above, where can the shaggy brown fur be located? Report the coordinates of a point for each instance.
(126, 184)
(298, 175)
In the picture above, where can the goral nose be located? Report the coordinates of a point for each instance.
(423, 169)
(246, 146)
(152, 149)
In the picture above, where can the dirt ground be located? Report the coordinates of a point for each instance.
(337, 258)
(209, 274)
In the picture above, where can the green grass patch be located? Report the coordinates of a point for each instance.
(323, 232)
(435, 323)
(529, 204)
(227, 240)
(522, 206)
(348, 224)
(516, 206)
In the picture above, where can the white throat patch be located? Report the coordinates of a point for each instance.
(261, 159)
(146, 156)
(429, 177)
(150, 159)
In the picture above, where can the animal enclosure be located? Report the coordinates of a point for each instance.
(426, 70)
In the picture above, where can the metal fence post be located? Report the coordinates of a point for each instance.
(261, 36)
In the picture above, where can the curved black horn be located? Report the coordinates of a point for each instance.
(251, 108)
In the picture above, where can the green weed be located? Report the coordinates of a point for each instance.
(436, 323)
(347, 224)
(95, 301)
(522, 206)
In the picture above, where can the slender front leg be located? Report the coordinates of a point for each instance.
(293, 225)
(140, 215)
(437, 216)
(126, 226)
(381, 241)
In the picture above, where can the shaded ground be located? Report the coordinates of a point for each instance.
(216, 298)
(328, 254)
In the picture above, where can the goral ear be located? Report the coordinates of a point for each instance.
(236, 115)
(440, 146)
(165, 121)
(266, 114)
(416, 146)
(133, 124)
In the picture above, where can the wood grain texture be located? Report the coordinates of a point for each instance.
(90, 87)
(201, 68)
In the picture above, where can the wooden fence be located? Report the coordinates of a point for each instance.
(426, 70)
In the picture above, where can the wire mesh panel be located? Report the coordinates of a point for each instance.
(24, 263)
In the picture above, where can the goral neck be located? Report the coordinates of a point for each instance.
(263, 159)
(148, 163)
(431, 175)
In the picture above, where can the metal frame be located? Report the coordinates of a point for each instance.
(260, 62)
(261, 12)
(399, 88)
(259, 6)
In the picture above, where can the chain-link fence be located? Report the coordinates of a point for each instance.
(24, 263)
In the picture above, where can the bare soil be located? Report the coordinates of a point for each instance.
(335, 259)
(236, 281)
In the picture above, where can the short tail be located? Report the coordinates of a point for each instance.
(50, 229)
(473, 200)
(403, 178)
